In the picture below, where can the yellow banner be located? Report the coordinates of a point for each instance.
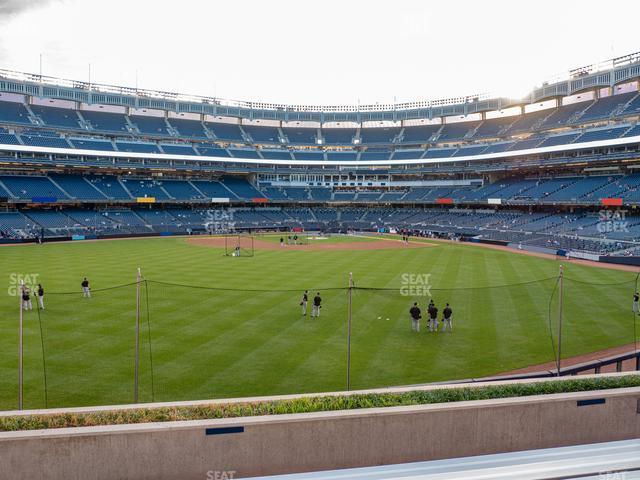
(146, 199)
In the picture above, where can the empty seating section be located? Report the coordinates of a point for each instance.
(77, 187)
(110, 186)
(607, 106)
(456, 131)
(633, 106)
(342, 156)
(527, 144)
(440, 152)
(407, 154)
(91, 144)
(237, 153)
(174, 149)
(241, 187)
(15, 225)
(375, 155)
(499, 147)
(11, 112)
(419, 134)
(144, 188)
(559, 140)
(150, 125)
(301, 136)
(633, 132)
(57, 117)
(51, 219)
(213, 189)
(181, 190)
(226, 131)
(275, 154)
(475, 150)
(338, 136)
(529, 121)
(378, 134)
(493, 127)
(304, 155)
(8, 139)
(137, 147)
(28, 187)
(602, 134)
(188, 128)
(44, 141)
(565, 114)
(212, 151)
(262, 134)
(107, 121)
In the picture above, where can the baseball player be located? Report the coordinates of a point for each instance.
(317, 305)
(433, 318)
(26, 299)
(446, 318)
(636, 299)
(86, 290)
(416, 315)
(40, 294)
(303, 302)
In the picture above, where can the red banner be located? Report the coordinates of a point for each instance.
(445, 201)
(259, 200)
(612, 202)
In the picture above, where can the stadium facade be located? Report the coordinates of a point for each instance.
(555, 170)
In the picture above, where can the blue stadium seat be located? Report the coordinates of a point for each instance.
(243, 153)
(308, 155)
(456, 131)
(8, 139)
(44, 141)
(77, 187)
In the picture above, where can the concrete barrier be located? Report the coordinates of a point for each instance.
(215, 449)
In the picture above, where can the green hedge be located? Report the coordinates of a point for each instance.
(313, 404)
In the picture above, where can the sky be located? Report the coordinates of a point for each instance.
(316, 53)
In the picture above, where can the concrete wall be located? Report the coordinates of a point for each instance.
(319, 441)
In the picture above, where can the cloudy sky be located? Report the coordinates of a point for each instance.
(332, 51)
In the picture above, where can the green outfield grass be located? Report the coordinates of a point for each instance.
(209, 343)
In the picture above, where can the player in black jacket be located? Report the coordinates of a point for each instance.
(416, 315)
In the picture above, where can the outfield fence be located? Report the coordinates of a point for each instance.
(135, 343)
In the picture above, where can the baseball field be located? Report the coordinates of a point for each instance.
(215, 326)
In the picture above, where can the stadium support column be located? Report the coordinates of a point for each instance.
(137, 359)
(20, 345)
(349, 332)
(560, 299)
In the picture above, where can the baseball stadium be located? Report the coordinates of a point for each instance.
(166, 247)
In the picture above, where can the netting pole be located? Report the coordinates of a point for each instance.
(349, 332)
(560, 301)
(20, 345)
(137, 359)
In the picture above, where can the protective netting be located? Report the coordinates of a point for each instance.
(597, 316)
(238, 246)
(386, 351)
(198, 342)
(86, 347)
(244, 342)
